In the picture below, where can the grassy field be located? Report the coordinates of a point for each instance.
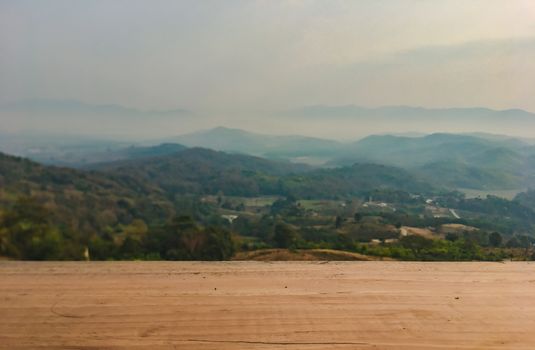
(267, 305)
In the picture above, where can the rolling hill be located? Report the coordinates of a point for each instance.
(83, 153)
(106, 205)
(479, 114)
(204, 171)
(480, 161)
(414, 151)
(456, 161)
(86, 202)
(270, 146)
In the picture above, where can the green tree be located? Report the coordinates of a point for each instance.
(513, 242)
(27, 233)
(183, 239)
(452, 237)
(495, 239)
(285, 236)
(526, 243)
(416, 244)
(338, 221)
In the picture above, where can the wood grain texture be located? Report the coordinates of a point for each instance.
(256, 305)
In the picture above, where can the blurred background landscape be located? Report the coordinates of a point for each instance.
(184, 130)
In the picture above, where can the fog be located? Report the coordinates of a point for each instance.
(172, 67)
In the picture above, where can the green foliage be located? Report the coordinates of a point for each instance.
(416, 244)
(452, 237)
(183, 239)
(153, 210)
(202, 171)
(286, 207)
(526, 199)
(458, 174)
(27, 233)
(456, 161)
(285, 236)
(87, 203)
(495, 239)
(497, 206)
(338, 221)
(513, 242)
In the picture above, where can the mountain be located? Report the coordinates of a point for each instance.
(458, 161)
(74, 107)
(86, 202)
(300, 148)
(149, 183)
(413, 151)
(124, 153)
(354, 180)
(458, 174)
(65, 117)
(77, 151)
(362, 121)
(204, 171)
(409, 112)
(526, 198)
(134, 152)
(484, 150)
(482, 162)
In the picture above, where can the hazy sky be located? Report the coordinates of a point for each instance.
(243, 57)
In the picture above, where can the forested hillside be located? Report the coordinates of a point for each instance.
(203, 171)
(454, 161)
(55, 213)
(203, 204)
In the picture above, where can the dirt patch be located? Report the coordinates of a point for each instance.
(457, 228)
(424, 232)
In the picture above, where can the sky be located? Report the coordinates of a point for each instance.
(242, 60)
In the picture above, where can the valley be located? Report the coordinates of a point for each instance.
(267, 175)
(156, 202)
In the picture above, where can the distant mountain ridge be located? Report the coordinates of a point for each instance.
(451, 160)
(408, 112)
(271, 146)
(474, 161)
(79, 107)
(401, 119)
(481, 161)
(204, 171)
(78, 156)
(108, 121)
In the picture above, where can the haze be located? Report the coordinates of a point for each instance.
(253, 64)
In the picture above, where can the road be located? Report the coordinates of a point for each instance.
(454, 213)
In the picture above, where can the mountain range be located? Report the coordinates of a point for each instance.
(72, 117)
(361, 121)
(299, 148)
(408, 112)
(75, 107)
(155, 188)
(474, 161)
(467, 161)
